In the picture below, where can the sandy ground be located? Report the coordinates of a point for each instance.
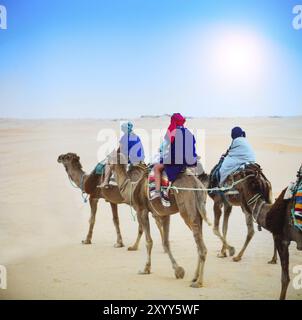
(43, 219)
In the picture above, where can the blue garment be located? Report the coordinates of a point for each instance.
(181, 153)
(239, 153)
(131, 147)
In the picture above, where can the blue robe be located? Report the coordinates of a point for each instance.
(181, 153)
(240, 152)
(132, 147)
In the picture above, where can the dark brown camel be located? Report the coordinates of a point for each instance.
(275, 217)
(89, 182)
(226, 201)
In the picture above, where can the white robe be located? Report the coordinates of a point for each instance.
(239, 153)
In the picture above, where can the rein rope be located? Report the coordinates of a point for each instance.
(210, 189)
(131, 210)
(254, 200)
(84, 194)
(122, 187)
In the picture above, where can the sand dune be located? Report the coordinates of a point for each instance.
(43, 218)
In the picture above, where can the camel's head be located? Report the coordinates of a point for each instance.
(70, 160)
(254, 181)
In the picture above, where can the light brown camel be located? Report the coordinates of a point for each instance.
(274, 217)
(190, 204)
(227, 201)
(88, 183)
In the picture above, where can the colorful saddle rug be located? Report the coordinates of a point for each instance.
(297, 207)
(164, 187)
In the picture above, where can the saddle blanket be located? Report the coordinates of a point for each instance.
(297, 210)
(294, 191)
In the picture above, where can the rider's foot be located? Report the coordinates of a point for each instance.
(156, 194)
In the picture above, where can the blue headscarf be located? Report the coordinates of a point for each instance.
(127, 127)
(237, 132)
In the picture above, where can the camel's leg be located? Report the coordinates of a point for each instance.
(196, 271)
(192, 217)
(227, 212)
(143, 218)
(274, 258)
(179, 271)
(134, 247)
(202, 252)
(217, 213)
(250, 234)
(159, 224)
(119, 240)
(93, 208)
(282, 248)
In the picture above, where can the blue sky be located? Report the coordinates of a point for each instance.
(126, 58)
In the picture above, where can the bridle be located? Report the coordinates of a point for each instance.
(254, 200)
(81, 184)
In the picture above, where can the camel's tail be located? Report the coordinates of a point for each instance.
(201, 197)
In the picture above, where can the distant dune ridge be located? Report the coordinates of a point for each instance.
(43, 218)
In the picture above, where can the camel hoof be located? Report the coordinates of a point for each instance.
(196, 284)
(118, 245)
(146, 271)
(236, 259)
(231, 251)
(132, 248)
(221, 255)
(86, 241)
(179, 273)
(273, 261)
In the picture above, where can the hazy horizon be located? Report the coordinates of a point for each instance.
(151, 117)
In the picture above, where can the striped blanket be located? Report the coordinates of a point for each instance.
(164, 191)
(297, 209)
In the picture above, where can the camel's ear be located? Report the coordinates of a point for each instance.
(77, 158)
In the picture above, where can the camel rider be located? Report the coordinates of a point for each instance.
(130, 146)
(177, 152)
(239, 153)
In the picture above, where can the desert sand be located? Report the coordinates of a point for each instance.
(43, 218)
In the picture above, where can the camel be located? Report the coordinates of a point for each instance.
(190, 205)
(88, 183)
(275, 217)
(227, 201)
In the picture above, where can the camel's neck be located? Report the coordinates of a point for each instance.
(123, 181)
(76, 175)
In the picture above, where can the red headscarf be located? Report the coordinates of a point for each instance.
(176, 120)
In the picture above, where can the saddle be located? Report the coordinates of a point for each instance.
(215, 176)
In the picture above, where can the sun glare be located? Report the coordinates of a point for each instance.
(236, 56)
